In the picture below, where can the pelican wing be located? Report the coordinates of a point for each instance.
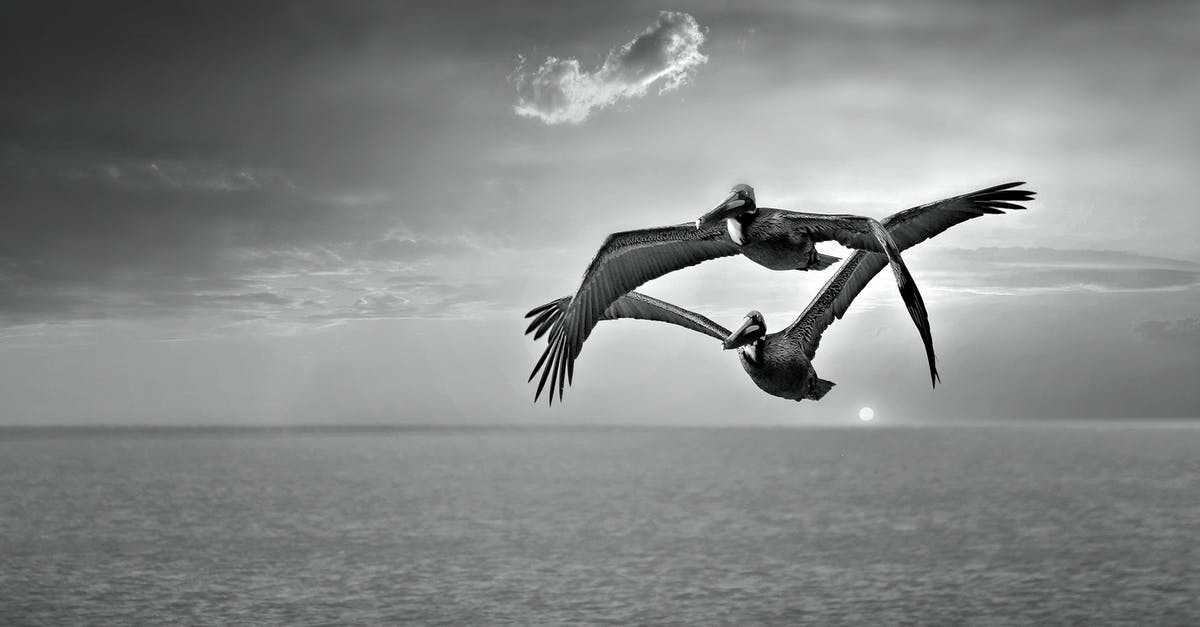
(913, 226)
(625, 261)
(632, 305)
(549, 317)
(867, 234)
(907, 228)
(851, 231)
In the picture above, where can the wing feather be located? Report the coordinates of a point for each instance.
(907, 228)
(848, 230)
(867, 234)
(633, 305)
(625, 261)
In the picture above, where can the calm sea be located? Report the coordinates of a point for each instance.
(979, 525)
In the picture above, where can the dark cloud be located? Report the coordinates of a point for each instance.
(1020, 270)
(1062, 257)
(117, 302)
(1182, 334)
(146, 151)
(94, 235)
(663, 55)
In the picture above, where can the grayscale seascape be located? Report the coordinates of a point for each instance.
(871, 525)
(462, 313)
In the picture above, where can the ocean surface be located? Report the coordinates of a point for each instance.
(874, 526)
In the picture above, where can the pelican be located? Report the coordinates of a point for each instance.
(780, 363)
(773, 238)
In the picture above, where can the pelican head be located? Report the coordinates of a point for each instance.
(740, 201)
(752, 329)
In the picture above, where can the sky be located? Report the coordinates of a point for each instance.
(336, 213)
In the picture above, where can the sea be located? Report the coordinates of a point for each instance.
(938, 525)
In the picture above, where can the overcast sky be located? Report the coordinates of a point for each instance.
(306, 212)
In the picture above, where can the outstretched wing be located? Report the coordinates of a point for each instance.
(867, 234)
(851, 231)
(625, 261)
(913, 226)
(631, 305)
(907, 228)
(549, 317)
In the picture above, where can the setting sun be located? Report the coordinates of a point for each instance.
(866, 414)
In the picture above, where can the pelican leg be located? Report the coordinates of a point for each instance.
(817, 388)
(819, 261)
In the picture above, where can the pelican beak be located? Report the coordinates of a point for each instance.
(729, 207)
(745, 334)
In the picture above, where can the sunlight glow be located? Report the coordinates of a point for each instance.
(866, 414)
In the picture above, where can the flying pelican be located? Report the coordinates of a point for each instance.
(780, 363)
(774, 238)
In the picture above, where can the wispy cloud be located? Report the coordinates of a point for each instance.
(196, 176)
(665, 54)
(418, 296)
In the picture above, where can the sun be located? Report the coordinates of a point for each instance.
(866, 414)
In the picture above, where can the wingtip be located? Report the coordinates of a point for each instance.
(1003, 186)
(915, 303)
(999, 198)
(545, 372)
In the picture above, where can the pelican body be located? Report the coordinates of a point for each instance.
(769, 237)
(776, 363)
(780, 363)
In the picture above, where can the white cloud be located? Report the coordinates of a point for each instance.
(665, 54)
